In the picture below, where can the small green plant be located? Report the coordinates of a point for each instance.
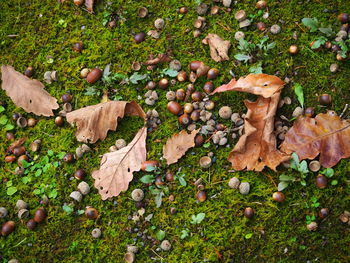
(256, 69)
(181, 178)
(4, 121)
(248, 50)
(301, 167)
(314, 26)
(197, 219)
(184, 233)
(92, 91)
(62, 23)
(169, 72)
(248, 236)
(310, 218)
(329, 172)
(68, 209)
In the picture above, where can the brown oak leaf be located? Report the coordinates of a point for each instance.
(256, 148)
(29, 94)
(161, 58)
(116, 169)
(94, 122)
(177, 145)
(218, 47)
(326, 135)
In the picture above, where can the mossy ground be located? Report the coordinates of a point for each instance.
(279, 230)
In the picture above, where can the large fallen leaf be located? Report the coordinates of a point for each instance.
(177, 145)
(116, 169)
(29, 94)
(94, 122)
(259, 84)
(326, 134)
(218, 47)
(256, 148)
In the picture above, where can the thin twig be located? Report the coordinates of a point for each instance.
(157, 254)
(302, 29)
(227, 28)
(12, 36)
(20, 242)
(344, 110)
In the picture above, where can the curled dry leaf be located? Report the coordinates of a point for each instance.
(218, 47)
(161, 58)
(16, 144)
(256, 148)
(29, 94)
(177, 145)
(326, 134)
(93, 122)
(116, 169)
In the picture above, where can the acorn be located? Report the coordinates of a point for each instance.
(169, 176)
(208, 87)
(209, 105)
(261, 5)
(278, 197)
(180, 94)
(293, 49)
(151, 85)
(31, 224)
(31, 122)
(248, 212)
(94, 75)
(174, 107)
(183, 10)
(78, 46)
(343, 18)
(314, 166)
(328, 45)
(59, 121)
(80, 174)
(22, 122)
(325, 99)
(339, 57)
(29, 71)
(195, 115)
(15, 116)
(213, 73)
(321, 181)
(309, 112)
(194, 65)
(185, 119)
(66, 98)
(137, 195)
(68, 158)
(149, 163)
(91, 213)
(40, 215)
(78, 2)
(163, 83)
(20, 150)
(201, 196)
(261, 26)
(139, 37)
(182, 76)
(323, 213)
(188, 108)
(10, 136)
(142, 12)
(84, 72)
(10, 159)
(240, 15)
(21, 158)
(197, 96)
(158, 181)
(198, 140)
(7, 228)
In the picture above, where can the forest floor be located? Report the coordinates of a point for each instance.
(45, 33)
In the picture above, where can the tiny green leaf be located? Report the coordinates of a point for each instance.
(298, 90)
(170, 72)
(311, 23)
(147, 179)
(242, 57)
(206, 145)
(3, 120)
(11, 190)
(248, 236)
(282, 186)
(334, 182)
(160, 235)
(2, 109)
(68, 209)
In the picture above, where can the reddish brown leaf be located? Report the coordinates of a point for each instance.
(94, 122)
(27, 93)
(116, 170)
(256, 148)
(218, 47)
(258, 84)
(326, 134)
(177, 145)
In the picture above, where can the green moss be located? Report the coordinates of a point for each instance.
(278, 230)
